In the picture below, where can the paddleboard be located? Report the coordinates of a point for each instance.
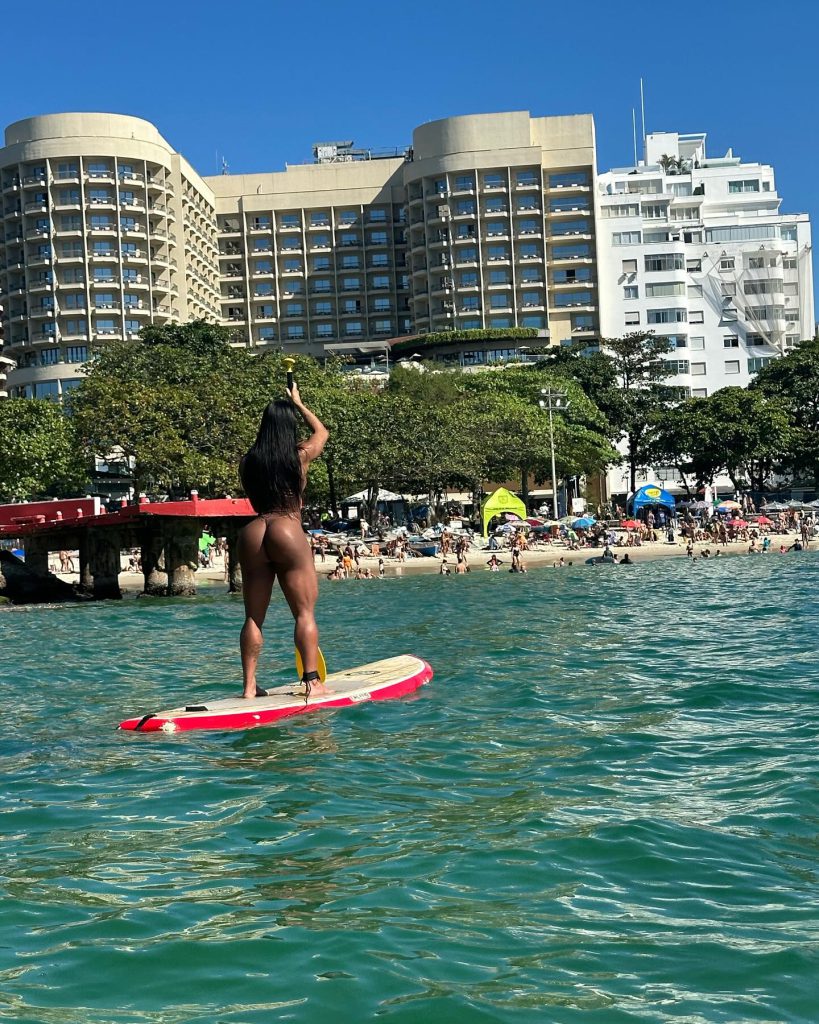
(380, 680)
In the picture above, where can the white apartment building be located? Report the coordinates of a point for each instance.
(695, 248)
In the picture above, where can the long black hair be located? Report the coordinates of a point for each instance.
(271, 471)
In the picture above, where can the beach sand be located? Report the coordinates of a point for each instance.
(541, 557)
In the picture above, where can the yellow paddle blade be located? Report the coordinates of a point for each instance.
(321, 667)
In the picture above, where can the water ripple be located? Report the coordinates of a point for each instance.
(603, 807)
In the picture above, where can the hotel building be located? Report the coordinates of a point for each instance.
(486, 221)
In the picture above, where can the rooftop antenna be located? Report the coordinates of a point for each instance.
(634, 134)
(224, 166)
(643, 116)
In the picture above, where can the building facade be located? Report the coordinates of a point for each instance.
(105, 229)
(696, 249)
(486, 221)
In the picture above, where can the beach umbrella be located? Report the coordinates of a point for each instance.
(737, 522)
(583, 523)
(534, 521)
(630, 524)
(764, 521)
(728, 506)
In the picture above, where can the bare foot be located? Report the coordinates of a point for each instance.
(316, 689)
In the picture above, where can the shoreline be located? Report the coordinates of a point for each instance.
(538, 558)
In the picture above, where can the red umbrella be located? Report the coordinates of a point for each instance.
(737, 522)
(764, 521)
(629, 524)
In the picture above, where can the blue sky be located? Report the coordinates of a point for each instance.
(261, 81)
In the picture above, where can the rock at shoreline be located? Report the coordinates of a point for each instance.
(21, 585)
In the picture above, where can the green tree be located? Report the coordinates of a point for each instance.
(40, 456)
(734, 431)
(794, 381)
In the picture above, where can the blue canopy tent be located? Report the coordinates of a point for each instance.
(651, 494)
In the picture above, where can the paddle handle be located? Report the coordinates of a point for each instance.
(289, 363)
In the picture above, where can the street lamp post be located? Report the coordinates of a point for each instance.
(553, 401)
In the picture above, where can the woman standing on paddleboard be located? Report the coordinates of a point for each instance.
(274, 545)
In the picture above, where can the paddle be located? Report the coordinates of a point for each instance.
(289, 363)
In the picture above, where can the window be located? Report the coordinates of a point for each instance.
(789, 263)
(694, 291)
(495, 204)
(351, 284)
(699, 392)
(754, 340)
(378, 238)
(49, 356)
(625, 238)
(105, 326)
(467, 255)
(383, 326)
(697, 369)
(751, 233)
(319, 218)
(732, 366)
(48, 389)
(498, 277)
(676, 340)
(632, 319)
(621, 210)
(100, 221)
(295, 332)
(294, 309)
(791, 288)
(761, 287)
(377, 215)
(73, 329)
(766, 312)
(322, 286)
(727, 263)
(670, 261)
(267, 334)
(67, 171)
(353, 327)
(464, 183)
(265, 311)
(655, 211)
(568, 179)
(494, 180)
(499, 300)
(291, 266)
(500, 321)
(525, 203)
(497, 227)
(746, 185)
(349, 262)
(131, 300)
(728, 289)
(107, 248)
(263, 288)
(532, 299)
(667, 316)
(132, 326)
(380, 281)
(531, 320)
(531, 251)
(697, 343)
(263, 266)
(321, 263)
(791, 316)
(69, 197)
(381, 305)
(98, 169)
(469, 279)
(696, 316)
(571, 252)
(74, 300)
(730, 341)
(380, 259)
(524, 178)
(76, 354)
(654, 291)
(497, 252)
(324, 330)
(348, 217)
(629, 266)
(677, 365)
(465, 207)
(582, 322)
(631, 291)
(693, 266)
(685, 213)
(470, 302)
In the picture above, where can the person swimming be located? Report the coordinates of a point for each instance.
(273, 545)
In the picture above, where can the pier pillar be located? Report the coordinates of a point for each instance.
(234, 569)
(100, 562)
(36, 549)
(152, 555)
(182, 556)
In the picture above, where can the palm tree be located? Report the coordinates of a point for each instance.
(670, 164)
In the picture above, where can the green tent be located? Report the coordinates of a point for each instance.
(497, 503)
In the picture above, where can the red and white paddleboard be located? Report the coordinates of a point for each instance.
(380, 680)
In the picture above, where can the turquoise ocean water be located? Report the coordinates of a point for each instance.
(603, 809)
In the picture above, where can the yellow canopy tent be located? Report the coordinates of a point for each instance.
(498, 502)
